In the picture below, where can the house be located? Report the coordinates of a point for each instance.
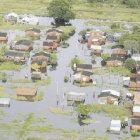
(47, 45)
(27, 91)
(136, 99)
(115, 126)
(36, 75)
(115, 61)
(11, 17)
(83, 67)
(96, 50)
(53, 39)
(4, 102)
(86, 76)
(23, 45)
(33, 32)
(41, 56)
(136, 111)
(3, 37)
(75, 97)
(135, 124)
(12, 55)
(109, 96)
(118, 50)
(96, 38)
(42, 66)
(54, 32)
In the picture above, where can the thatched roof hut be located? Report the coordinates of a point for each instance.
(26, 91)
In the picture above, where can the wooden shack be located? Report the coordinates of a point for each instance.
(33, 32)
(136, 111)
(3, 37)
(136, 99)
(47, 45)
(41, 56)
(12, 55)
(56, 39)
(23, 45)
(115, 61)
(118, 50)
(27, 91)
(135, 124)
(84, 67)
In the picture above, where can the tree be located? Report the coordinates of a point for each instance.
(35, 67)
(130, 64)
(53, 60)
(105, 56)
(131, 45)
(61, 11)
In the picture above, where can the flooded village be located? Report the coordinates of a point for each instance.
(77, 81)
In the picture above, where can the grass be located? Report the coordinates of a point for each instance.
(2, 94)
(67, 29)
(12, 86)
(9, 66)
(44, 82)
(23, 38)
(39, 97)
(19, 80)
(98, 72)
(60, 111)
(87, 121)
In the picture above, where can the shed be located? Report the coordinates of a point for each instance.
(3, 37)
(5, 102)
(97, 50)
(33, 32)
(36, 76)
(75, 96)
(135, 124)
(26, 91)
(136, 111)
(136, 99)
(115, 126)
(11, 17)
(84, 67)
(49, 45)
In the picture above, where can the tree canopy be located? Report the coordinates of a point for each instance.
(130, 64)
(61, 11)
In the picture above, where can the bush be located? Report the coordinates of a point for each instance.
(105, 56)
(65, 36)
(66, 78)
(130, 64)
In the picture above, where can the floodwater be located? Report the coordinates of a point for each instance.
(99, 121)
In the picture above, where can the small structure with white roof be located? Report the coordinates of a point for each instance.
(5, 102)
(115, 126)
(136, 111)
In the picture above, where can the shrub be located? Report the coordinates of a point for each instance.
(130, 64)
(66, 78)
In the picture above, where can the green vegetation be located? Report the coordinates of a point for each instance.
(53, 59)
(122, 71)
(23, 38)
(105, 56)
(75, 60)
(63, 14)
(12, 86)
(98, 72)
(39, 97)
(66, 78)
(35, 67)
(60, 111)
(130, 64)
(135, 133)
(87, 121)
(117, 112)
(44, 82)
(19, 80)
(9, 66)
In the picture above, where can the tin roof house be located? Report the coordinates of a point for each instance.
(135, 124)
(33, 32)
(115, 126)
(118, 50)
(49, 45)
(23, 45)
(3, 37)
(136, 111)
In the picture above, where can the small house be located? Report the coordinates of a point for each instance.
(41, 56)
(96, 50)
(23, 45)
(54, 32)
(136, 111)
(115, 126)
(42, 66)
(12, 55)
(36, 75)
(33, 32)
(135, 124)
(75, 97)
(47, 45)
(53, 39)
(84, 67)
(136, 99)
(86, 76)
(11, 17)
(118, 50)
(3, 37)
(115, 61)
(111, 96)
(27, 91)
(4, 102)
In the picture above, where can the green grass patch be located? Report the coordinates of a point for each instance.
(12, 86)
(9, 66)
(44, 82)
(60, 111)
(19, 80)
(39, 97)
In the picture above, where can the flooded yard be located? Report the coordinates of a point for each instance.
(100, 121)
